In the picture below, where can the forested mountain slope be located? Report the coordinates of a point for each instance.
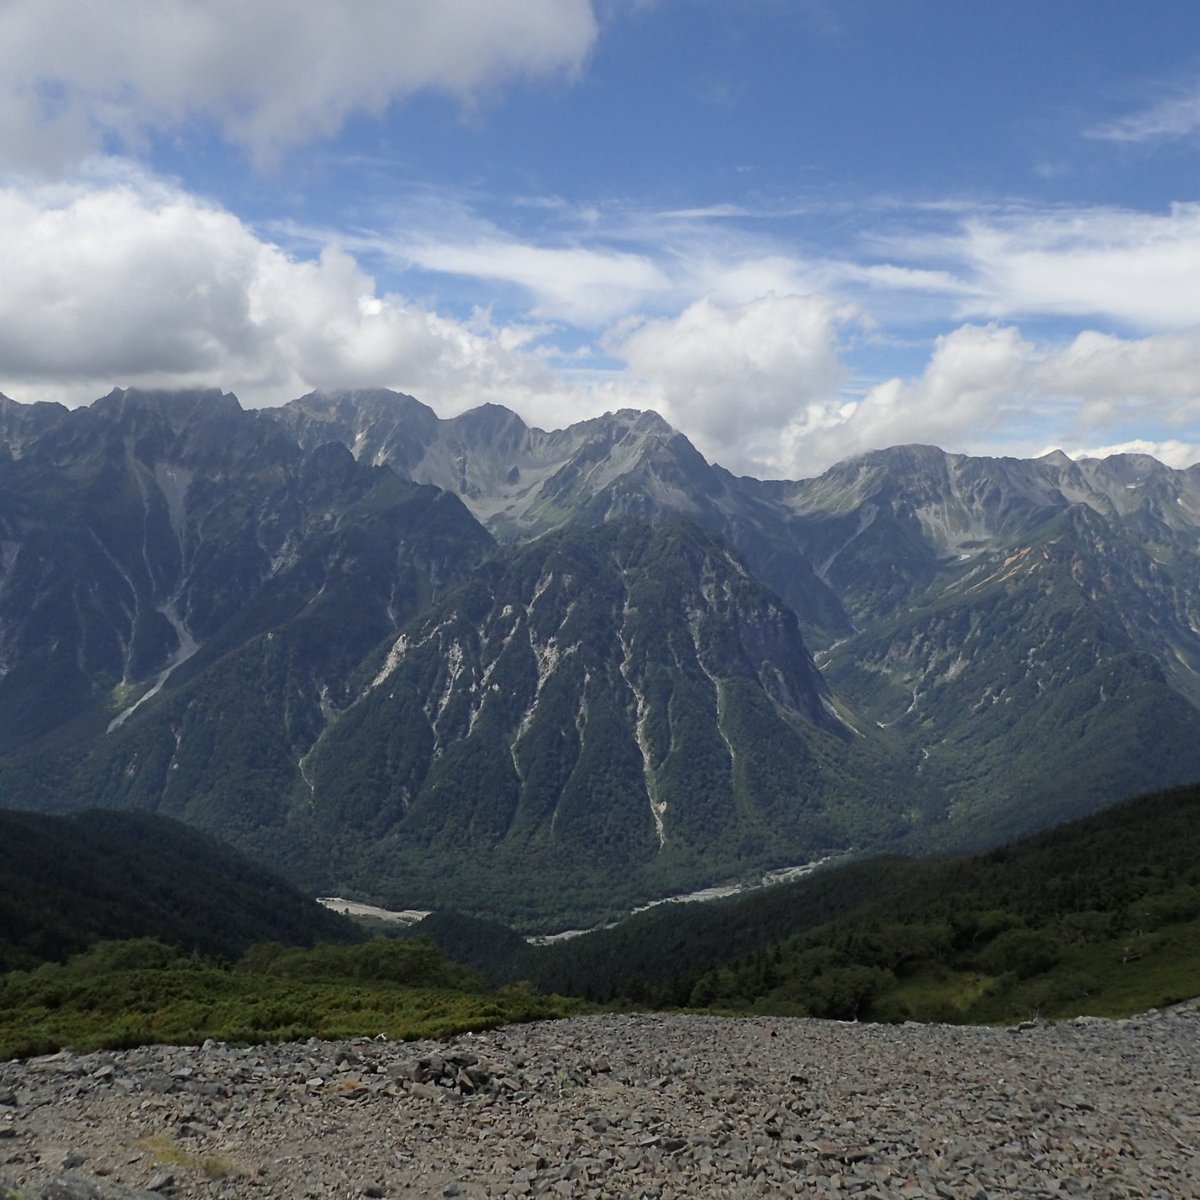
(291, 628)
(68, 882)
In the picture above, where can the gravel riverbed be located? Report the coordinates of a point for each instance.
(625, 1106)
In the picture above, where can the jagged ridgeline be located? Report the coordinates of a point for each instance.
(147, 536)
(547, 675)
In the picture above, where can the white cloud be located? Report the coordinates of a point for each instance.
(271, 76)
(590, 267)
(1138, 268)
(734, 377)
(1175, 117)
(122, 279)
(966, 390)
(1114, 378)
(128, 281)
(988, 389)
(1172, 452)
(580, 285)
(1139, 271)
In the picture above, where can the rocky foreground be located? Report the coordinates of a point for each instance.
(624, 1106)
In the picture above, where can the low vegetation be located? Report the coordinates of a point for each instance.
(139, 992)
(1098, 917)
(1101, 916)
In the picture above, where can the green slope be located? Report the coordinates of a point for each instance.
(1030, 683)
(69, 882)
(1097, 916)
(602, 717)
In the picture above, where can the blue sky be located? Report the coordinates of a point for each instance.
(800, 229)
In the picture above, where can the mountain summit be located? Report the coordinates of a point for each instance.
(548, 675)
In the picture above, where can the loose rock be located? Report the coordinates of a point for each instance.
(625, 1106)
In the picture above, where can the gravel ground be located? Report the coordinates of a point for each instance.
(625, 1106)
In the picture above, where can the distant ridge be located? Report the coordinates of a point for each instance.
(558, 674)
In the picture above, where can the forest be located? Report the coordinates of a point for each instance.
(1100, 917)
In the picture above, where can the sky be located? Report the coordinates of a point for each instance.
(799, 229)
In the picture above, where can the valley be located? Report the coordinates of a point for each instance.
(553, 677)
(724, 891)
(599, 599)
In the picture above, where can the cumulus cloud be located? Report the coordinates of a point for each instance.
(970, 386)
(122, 279)
(129, 281)
(988, 389)
(1112, 378)
(734, 377)
(75, 75)
(1174, 453)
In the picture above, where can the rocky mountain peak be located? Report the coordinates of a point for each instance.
(179, 406)
(374, 403)
(493, 420)
(21, 424)
(619, 692)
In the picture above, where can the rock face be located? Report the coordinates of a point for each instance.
(625, 1107)
(146, 535)
(522, 482)
(621, 706)
(613, 714)
(986, 612)
(278, 626)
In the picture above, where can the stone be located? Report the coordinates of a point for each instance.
(822, 1109)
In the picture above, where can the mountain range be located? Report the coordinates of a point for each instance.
(549, 675)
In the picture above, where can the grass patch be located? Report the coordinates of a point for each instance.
(938, 993)
(165, 1152)
(1128, 975)
(1116, 978)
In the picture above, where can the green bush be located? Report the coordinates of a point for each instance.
(1023, 952)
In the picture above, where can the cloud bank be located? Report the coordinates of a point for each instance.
(129, 280)
(741, 326)
(121, 278)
